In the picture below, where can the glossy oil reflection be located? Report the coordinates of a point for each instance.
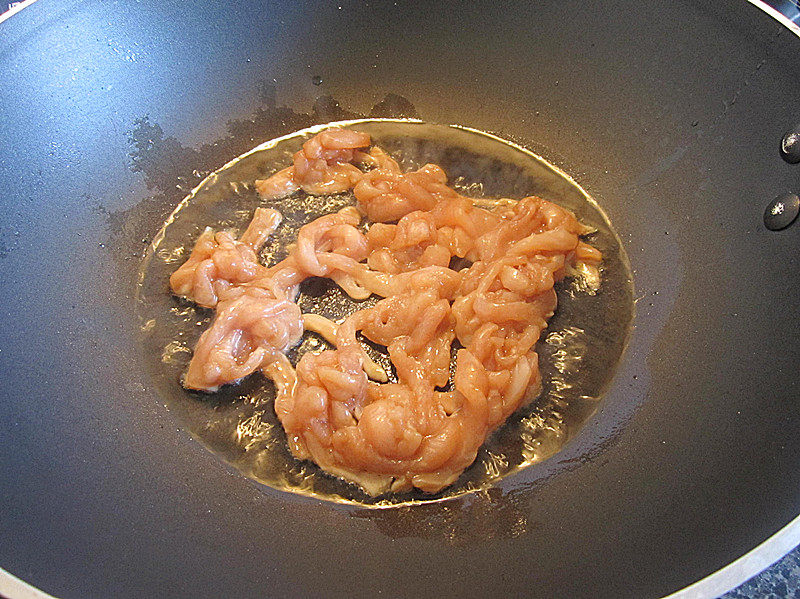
(578, 353)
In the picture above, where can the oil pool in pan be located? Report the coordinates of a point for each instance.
(578, 353)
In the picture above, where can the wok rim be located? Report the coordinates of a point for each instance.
(11, 12)
(715, 584)
(719, 582)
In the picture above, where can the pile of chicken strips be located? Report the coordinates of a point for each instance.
(338, 407)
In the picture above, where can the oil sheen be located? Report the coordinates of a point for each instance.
(578, 352)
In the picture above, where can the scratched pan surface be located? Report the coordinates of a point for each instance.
(669, 115)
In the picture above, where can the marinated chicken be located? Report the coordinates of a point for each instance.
(337, 407)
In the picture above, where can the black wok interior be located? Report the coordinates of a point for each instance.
(668, 114)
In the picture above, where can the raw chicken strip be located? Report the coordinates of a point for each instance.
(409, 433)
(322, 166)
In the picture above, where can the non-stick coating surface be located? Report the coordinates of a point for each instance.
(670, 114)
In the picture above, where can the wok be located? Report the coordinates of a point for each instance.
(669, 114)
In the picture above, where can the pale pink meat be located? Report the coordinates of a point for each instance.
(409, 245)
(218, 261)
(279, 185)
(409, 433)
(256, 316)
(387, 195)
(322, 166)
(327, 243)
(251, 327)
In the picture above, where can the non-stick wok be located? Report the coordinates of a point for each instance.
(669, 113)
